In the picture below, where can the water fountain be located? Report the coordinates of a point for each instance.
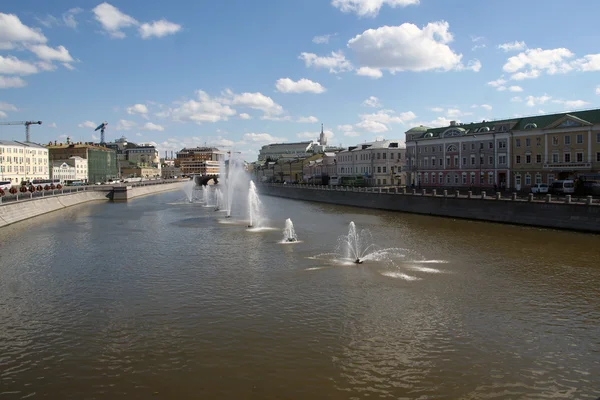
(254, 212)
(233, 183)
(356, 245)
(205, 195)
(219, 201)
(289, 234)
(188, 188)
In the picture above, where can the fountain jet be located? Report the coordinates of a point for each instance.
(254, 211)
(188, 189)
(289, 234)
(356, 244)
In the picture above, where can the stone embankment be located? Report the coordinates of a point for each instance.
(584, 216)
(24, 209)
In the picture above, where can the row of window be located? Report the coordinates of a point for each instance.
(22, 169)
(363, 170)
(555, 158)
(17, 150)
(452, 148)
(18, 160)
(369, 156)
(425, 161)
(555, 140)
(456, 179)
(538, 179)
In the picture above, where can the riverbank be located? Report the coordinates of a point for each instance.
(556, 215)
(13, 212)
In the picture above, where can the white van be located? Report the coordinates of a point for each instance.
(563, 187)
(5, 185)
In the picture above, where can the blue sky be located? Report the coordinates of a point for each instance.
(239, 74)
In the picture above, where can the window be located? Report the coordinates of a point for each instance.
(472, 160)
(480, 160)
(598, 156)
(491, 145)
(384, 181)
(472, 178)
(464, 179)
(538, 179)
(464, 147)
(392, 156)
(481, 178)
(527, 180)
(426, 178)
(455, 161)
(433, 161)
(554, 140)
(384, 170)
(502, 144)
(538, 141)
(399, 156)
(528, 142)
(490, 179)
(378, 169)
(554, 157)
(567, 157)
(455, 179)
(384, 156)
(518, 160)
(567, 140)
(518, 142)
(473, 144)
(597, 137)
(480, 145)
(517, 180)
(579, 157)
(441, 148)
(502, 160)
(426, 162)
(378, 156)
(538, 158)
(464, 160)
(448, 162)
(448, 179)
(491, 160)
(579, 139)
(433, 178)
(550, 179)
(528, 158)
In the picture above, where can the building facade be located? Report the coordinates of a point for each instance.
(275, 151)
(510, 154)
(101, 161)
(23, 161)
(200, 160)
(379, 162)
(73, 169)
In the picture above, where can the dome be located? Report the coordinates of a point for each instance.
(418, 129)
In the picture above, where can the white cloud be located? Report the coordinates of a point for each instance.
(68, 66)
(437, 109)
(372, 126)
(486, 106)
(310, 120)
(113, 20)
(275, 118)
(45, 66)
(256, 101)
(529, 63)
(478, 46)
(158, 29)
(515, 89)
(7, 107)
(378, 122)
(263, 138)
(313, 135)
(204, 109)
(336, 63)
(369, 8)
(125, 125)
(286, 85)
(409, 48)
(534, 101)
(11, 82)
(139, 109)
(13, 32)
(348, 130)
(516, 99)
(138, 134)
(372, 101)
(588, 63)
(323, 39)
(436, 123)
(149, 126)
(43, 52)
(573, 104)
(455, 112)
(245, 116)
(10, 65)
(52, 125)
(513, 46)
(373, 73)
(351, 134)
(3, 114)
(88, 124)
(499, 84)
(67, 19)
(598, 89)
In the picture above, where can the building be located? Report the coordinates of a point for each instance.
(140, 172)
(200, 160)
(275, 151)
(505, 154)
(379, 162)
(23, 161)
(73, 169)
(101, 161)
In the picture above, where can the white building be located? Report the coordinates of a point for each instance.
(75, 168)
(379, 162)
(275, 151)
(23, 161)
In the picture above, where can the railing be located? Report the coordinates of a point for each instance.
(569, 165)
(65, 190)
(462, 194)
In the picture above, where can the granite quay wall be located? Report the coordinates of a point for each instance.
(542, 213)
(25, 207)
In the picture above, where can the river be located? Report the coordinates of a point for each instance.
(156, 298)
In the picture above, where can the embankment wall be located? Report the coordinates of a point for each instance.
(577, 217)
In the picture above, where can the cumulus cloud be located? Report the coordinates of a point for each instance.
(530, 63)
(46, 53)
(515, 89)
(202, 109)
(11, 65)
(572, 104)
(313, 135)
(13, 32)
(309, 119)
(598, 89)
(88, 124)
(138, 109)
(263, 138)
(7, 107)
(149, 126)
(11, 82)
(158, 29)
(335, 63)
(513, 46)
(369, 8)
(532, 101)
(286, 85)
(245, 116)
(67, 19)
(378, 122)
(499, 84)
(408, 48)
(372, 101)
(348, 130)
(323, 39)
(256, 101)
(113, 20)
(125, 125)
(373, 73)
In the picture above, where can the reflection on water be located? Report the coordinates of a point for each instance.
(156, 299)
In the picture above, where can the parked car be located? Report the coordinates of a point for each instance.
(539, 188)
(562, 187)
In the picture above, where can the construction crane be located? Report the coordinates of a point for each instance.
(102, 127)
(26, 123)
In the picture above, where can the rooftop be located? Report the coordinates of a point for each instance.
(17, 143)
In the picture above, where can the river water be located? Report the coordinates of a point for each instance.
(156, 298)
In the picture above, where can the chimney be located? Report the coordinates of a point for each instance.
(452, 123)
